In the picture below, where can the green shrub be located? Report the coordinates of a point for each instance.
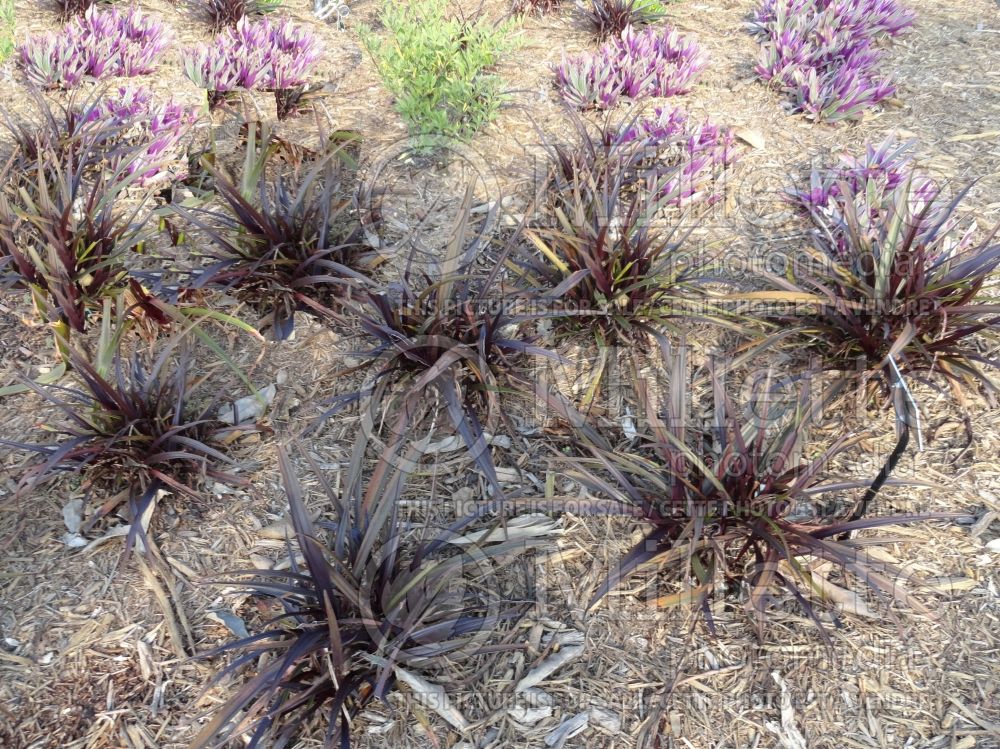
(6, 28)
(438, 67)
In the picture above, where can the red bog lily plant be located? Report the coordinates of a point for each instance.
(66, 235)
(606, 259)
(720, 503)
(131, 428)
(891, 289)
(283, 242)
(892, 284)
(449, 342)
(223, 13)
(611, 17)
(370, 607)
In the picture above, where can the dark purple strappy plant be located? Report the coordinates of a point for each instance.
(722, 499)
(65, 233)
(130, 427)
(448, 347)
(282, 240)
(70, 8)
(608, 18)
(600, 257)
(224, 13)
(373, 603)
(893, 283)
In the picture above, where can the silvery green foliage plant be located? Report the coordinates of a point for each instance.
(438, 66)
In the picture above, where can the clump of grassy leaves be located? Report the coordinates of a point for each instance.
(609, 260)
(62, 134)
(70, 8)
(892, 285)
(611, 17)
(284, 241)
(445, 341)
(891, 290)
(65, 228)
(370, 607)
(224, 13)
(438, 67)
(717, 500)
(132, 427)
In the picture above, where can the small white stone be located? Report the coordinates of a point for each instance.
(529, 715)
(568, 729)
(248, 408)
(608, 720)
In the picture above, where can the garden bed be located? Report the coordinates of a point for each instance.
(95, 650)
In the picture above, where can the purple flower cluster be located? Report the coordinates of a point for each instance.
(687, 159)
(99, 44)
(823, 52)
(257, 55)
(157, 130)
(868, 188)
(651, 62)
